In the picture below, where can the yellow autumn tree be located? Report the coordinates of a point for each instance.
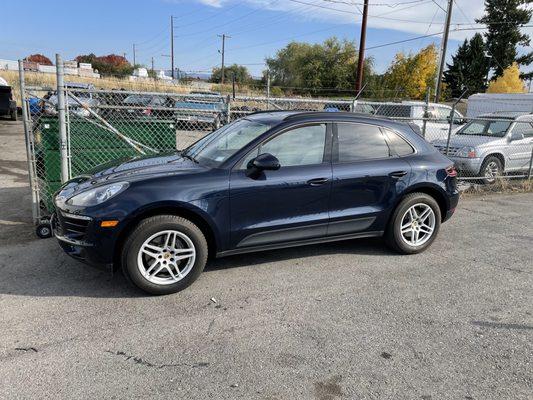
(509, 82)
(413, 74)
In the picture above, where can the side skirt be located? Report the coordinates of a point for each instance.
(296, 243)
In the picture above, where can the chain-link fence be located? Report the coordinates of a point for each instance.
(73, 128)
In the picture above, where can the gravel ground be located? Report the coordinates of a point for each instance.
(342, 320)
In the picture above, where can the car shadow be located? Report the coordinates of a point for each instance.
(370, 246)
(45, 271)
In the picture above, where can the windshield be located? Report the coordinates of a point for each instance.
(136, 99)
(486, 128)
(220, 145)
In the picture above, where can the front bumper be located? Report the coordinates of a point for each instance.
(80, 237)
(467, 166)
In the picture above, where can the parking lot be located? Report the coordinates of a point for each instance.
(342, 320)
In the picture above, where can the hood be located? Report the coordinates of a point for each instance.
(467, 140)
(134, 169)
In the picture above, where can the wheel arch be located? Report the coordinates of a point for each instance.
(499, 156)
(193, 214)
(432, 190)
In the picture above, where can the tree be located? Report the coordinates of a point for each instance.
(111, 64)
(509, 82)
(40, 59)
(413, 74)
(242, 76)
(327, 67)
(469, 68)
(504, 18)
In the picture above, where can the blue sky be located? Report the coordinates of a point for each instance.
(257, 28)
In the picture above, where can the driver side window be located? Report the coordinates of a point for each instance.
(525, 128)
(299, 146)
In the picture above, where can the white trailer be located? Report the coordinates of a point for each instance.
(486, 103)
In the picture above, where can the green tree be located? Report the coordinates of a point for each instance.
(326, 67)
(242, 76)
(412, 74)
(469, 68)
(503, 36)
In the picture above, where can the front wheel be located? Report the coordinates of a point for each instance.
(491, 169)
(164, 254)
(414, 224)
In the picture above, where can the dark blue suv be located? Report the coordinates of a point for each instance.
(270, 180)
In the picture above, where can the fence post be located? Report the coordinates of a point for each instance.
(450, 122)
(228, 109)
(62, 118)
(268, 90)
(530, 165)
(233, 85)
(426, 108)
(29, 144)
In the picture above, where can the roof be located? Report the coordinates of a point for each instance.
(507, 115)
(285, 115)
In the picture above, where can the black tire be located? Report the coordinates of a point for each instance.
(43, 231)
(149, 227)
(495, 166)
(393, 235)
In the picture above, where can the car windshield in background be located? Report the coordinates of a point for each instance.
(136, 99)
(217, 147)
(196, 105)
(486, 128)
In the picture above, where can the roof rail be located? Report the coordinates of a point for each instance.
(269, 111)
(330, 114)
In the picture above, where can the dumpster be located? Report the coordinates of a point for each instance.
(91, 145)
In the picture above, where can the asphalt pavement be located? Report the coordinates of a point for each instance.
(346, 320)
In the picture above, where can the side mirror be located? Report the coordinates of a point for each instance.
(516, 136)
(265, 162)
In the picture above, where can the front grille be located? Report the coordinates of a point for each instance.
(452, 151)
(73, 226)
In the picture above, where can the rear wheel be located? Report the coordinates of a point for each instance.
(414, 224)
(164, 254)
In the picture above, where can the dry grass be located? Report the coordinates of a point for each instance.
(49, 81)
(503, 186)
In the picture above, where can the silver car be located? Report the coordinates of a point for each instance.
(491, 145)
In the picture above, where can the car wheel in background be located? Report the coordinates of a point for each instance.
(164, 254)
(491, 169)
(414, 225)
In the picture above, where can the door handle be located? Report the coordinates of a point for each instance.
(317, 181)
(398, 174)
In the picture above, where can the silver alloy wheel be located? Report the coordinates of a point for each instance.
(491, 171)
(418, 224)
(166, 257)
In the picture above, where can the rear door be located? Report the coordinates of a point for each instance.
(367, 177)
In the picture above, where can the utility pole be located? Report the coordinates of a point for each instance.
(224, 37)
(134, 55)
(153, 67)
(362, 44)
(443, 47)
(172, 45)
(124, 55)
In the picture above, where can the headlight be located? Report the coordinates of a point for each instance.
(97, 195)
(467, 152)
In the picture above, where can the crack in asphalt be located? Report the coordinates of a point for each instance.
(143, 362)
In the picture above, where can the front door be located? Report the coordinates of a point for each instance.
(519, 155)
(367, 176)
(288, 204)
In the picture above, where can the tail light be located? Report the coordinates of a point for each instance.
(451, 171)
(148, 111)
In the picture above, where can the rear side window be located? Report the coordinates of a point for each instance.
(399, 144)
(361, 142)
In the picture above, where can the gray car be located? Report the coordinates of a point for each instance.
(492, 145)
(86, 97)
